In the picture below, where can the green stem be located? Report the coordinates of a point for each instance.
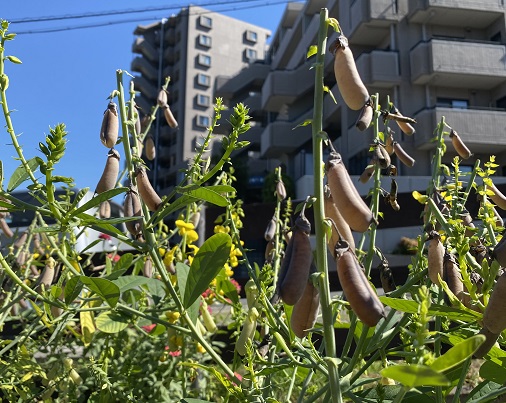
(321, 246)
(463, 373)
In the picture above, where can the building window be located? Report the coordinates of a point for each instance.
(204, 60)
(205, 22)
(251, 54)
(251, 36)
(203, 121)
(203, 100)
(203, 79)
(452, 103)
(205, 40)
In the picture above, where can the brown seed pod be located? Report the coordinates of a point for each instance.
(382, 156)
(435, 257)
(110, 126)
(269, 251)
(150, 149)
(147, 269)
(104, 210)
(452, 276)
(389, 141)
(21, 240)
(499, 222)
(499, 252)
(132, 208)
(340, 227)
(305, 311)
(37, 243)
(292, 281)
(405, 127)
(270, 231)
(110, 175)
(169, 117)
(133, 115)
(459, 145)
(368, 171)
(498, 198)
(490, 340)
(146, 191)
(47, 276)
(392, 196)
(162, 98)
(386, 276)
(493, 317)
(365, 118)
(403, 156)
(5, 228)
(351, 87)
(358, 291)
(346, 197)
(280, 190)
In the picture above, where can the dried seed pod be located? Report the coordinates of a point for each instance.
(110, 126)
(132, 208)
(340, 227)
(280, 190)
(392, 170)
(493, 317)
(368, 171)
(21, 240)
(499, 252)
(146, 191)
(169, 117)
(150, 149)
(499, 222)
(405, 127)
(270, 231)
(459, 145)
(162, 98)
(147, 269)
(47, 276)
(104, 210)
(386, 276)
(389, 141)
(392, 196)
(110, 175)
(498, 198)
(269, 252)
(382, 156)
(479, 252)
(435, 257)
(365, 118)
(403, 156)
(5, 228)
(351, 87)
(37, 243)
(293, 277)
(490, 340)
(305, 311)
(346, 197)
(356, 287)
(452, 277)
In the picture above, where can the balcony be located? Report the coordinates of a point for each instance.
(460, 13)
(457, 63)
(370, 20)
(252, 76)
(483, 131)
(280, 137)
(143, 66)
(146, 49)
(285, 86)
(309, 38)
(379, 68)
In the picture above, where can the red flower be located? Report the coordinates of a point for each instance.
(149, 328)
(105, 237)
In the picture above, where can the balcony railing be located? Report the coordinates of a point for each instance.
(281, 137)
(483, 131)
(143, 66)
(379, 68)
(145, 48)
(453, 63)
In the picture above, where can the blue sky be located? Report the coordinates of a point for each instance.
(67, 76)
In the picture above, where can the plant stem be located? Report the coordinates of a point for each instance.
(321, 246)
(463, 373)
(401, 394)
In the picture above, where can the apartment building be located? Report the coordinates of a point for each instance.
(192, 47)
(432, 58)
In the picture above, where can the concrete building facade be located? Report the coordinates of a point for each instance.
(432, 58)
(192, 47)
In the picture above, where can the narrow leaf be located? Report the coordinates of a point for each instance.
(413, 375)
(311, 51)
(207, 263)
(21, 174)
(458, 353)
(209, 195)
(13, 59)
(97, 200)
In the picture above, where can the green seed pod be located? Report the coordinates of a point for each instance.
(110, 175)
(252, 293)
(207, 318)
(146, 191)
(248, 331)
(150, 149)
(132, 208)
(195, 219)
(110, 126)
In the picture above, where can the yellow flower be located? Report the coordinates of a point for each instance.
(228, 271)
(168, 257)
(200, 348)
(191, 236)
(172, 316)
(235, 251)
(188, 229)
(221, 228)
(233, 261)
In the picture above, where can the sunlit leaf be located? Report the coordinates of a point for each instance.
(97, 199)
(209, 195)
(20, 174)
(458, 353)
(111, 322)
(311, 51)
(105, 289)
(413, 375)
(306, 122)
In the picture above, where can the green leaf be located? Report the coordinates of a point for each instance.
(156, 289)
(413, 375)
(208, 195)
(178, 204)
(72, 289)
(306, 122)
(222, 188)
(410, 306)
(208, 262)
(493, 371)
(191, 400)
(111, 322)
(230, 291)
(125, 283)
(105, 289)
(158, 330)
(458, 353)
(311, 51)
(182, 273)
(485, 389)
(1, 175)
(124, 262)
(97, 200)
(20, 174)
(13, 59)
